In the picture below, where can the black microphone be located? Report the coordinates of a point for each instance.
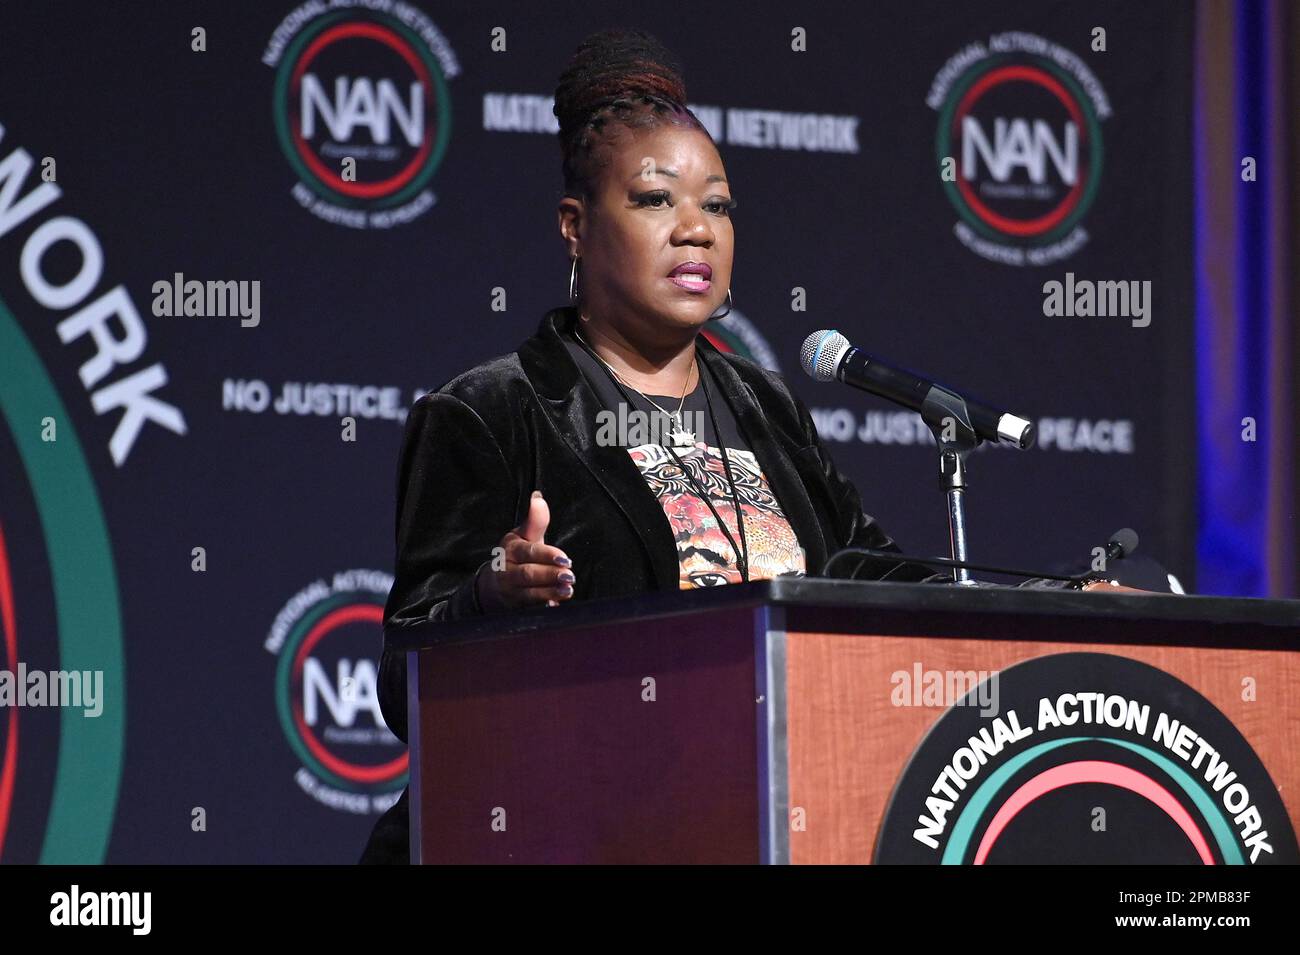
(1121, 544)
(827, 356)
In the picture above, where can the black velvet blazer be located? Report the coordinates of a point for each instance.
(476, 448)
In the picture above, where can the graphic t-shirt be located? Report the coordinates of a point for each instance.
(705, 555)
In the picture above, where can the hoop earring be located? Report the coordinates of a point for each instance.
(573, 279)
(714, 318)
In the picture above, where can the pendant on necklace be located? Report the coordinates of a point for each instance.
(679, 436)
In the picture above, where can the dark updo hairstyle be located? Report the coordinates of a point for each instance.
(622, 76)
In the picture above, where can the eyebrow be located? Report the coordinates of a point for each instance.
(665, 171)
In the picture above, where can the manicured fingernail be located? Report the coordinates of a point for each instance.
(564, 562)
(566, 591)
(567, 577)
(537, 494)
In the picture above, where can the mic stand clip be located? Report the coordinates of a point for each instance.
(948, 418)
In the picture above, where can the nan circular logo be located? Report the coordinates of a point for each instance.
(1019, 147)
(325, 640)
(1090, 759)
(361, 108)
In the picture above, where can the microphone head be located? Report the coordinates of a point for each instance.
(822, 352)
(1126, 540)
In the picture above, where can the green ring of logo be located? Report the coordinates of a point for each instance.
(87, 609)
(963, 829)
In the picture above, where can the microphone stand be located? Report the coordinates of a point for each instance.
(948, 418)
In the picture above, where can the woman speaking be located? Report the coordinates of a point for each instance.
(616, 451)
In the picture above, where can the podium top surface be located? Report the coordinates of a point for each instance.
(869, 603)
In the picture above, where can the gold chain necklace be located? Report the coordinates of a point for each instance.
(679, 436)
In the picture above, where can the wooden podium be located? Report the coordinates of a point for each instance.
(769, 722)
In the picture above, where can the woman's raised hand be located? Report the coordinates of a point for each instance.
(534, 572)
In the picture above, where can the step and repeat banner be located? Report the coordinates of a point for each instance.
(237, 240)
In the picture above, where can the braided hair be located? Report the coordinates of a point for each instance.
(621, 76)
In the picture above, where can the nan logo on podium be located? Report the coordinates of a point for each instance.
(1092, 759)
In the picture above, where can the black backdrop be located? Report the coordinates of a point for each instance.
(170, 160)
